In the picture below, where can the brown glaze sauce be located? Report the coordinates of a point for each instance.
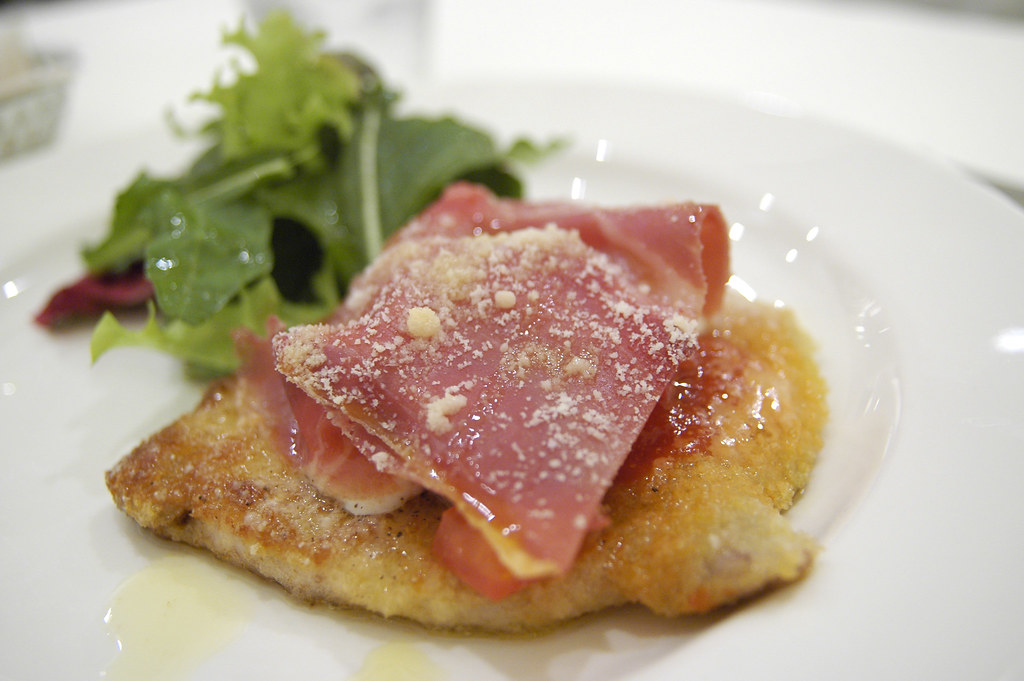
(685, 419)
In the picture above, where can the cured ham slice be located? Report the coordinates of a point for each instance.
(316, 447)
(681, 250)
(508, 372)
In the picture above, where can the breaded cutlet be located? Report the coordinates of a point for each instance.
(697, 513)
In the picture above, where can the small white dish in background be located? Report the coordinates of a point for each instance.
(33, 86)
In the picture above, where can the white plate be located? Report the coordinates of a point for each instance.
(905, 271)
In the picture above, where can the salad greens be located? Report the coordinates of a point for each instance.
(308, 171)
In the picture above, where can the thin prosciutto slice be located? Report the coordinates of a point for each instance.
(301, 428)
(680, 250)
(507, 372)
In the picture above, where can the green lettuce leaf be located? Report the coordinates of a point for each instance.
(394, 167)
(209, 253)
(207, 348)
(295, 90)
(307, 173)
(131, 228)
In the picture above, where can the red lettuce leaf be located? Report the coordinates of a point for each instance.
(94, 294)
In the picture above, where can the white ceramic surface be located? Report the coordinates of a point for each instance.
(944, 82)
(904, 270)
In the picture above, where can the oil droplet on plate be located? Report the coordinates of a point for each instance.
(171, 616)
(397, 661)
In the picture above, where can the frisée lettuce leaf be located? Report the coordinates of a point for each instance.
(308, 170)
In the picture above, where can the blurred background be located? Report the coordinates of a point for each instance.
(939, 76)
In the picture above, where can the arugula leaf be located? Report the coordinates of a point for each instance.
(131, 228)
(141, 210)
(527, 151)
(209, 253)
(416, 152)
(396, 166)
(316, 203)
(215, 178)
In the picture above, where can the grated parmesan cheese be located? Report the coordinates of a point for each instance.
(505, 299)
(440, 409)
(422, 322)
(579, 366)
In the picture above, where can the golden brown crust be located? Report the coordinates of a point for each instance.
(691, 532)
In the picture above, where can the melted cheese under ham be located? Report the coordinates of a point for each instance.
(509, 373)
